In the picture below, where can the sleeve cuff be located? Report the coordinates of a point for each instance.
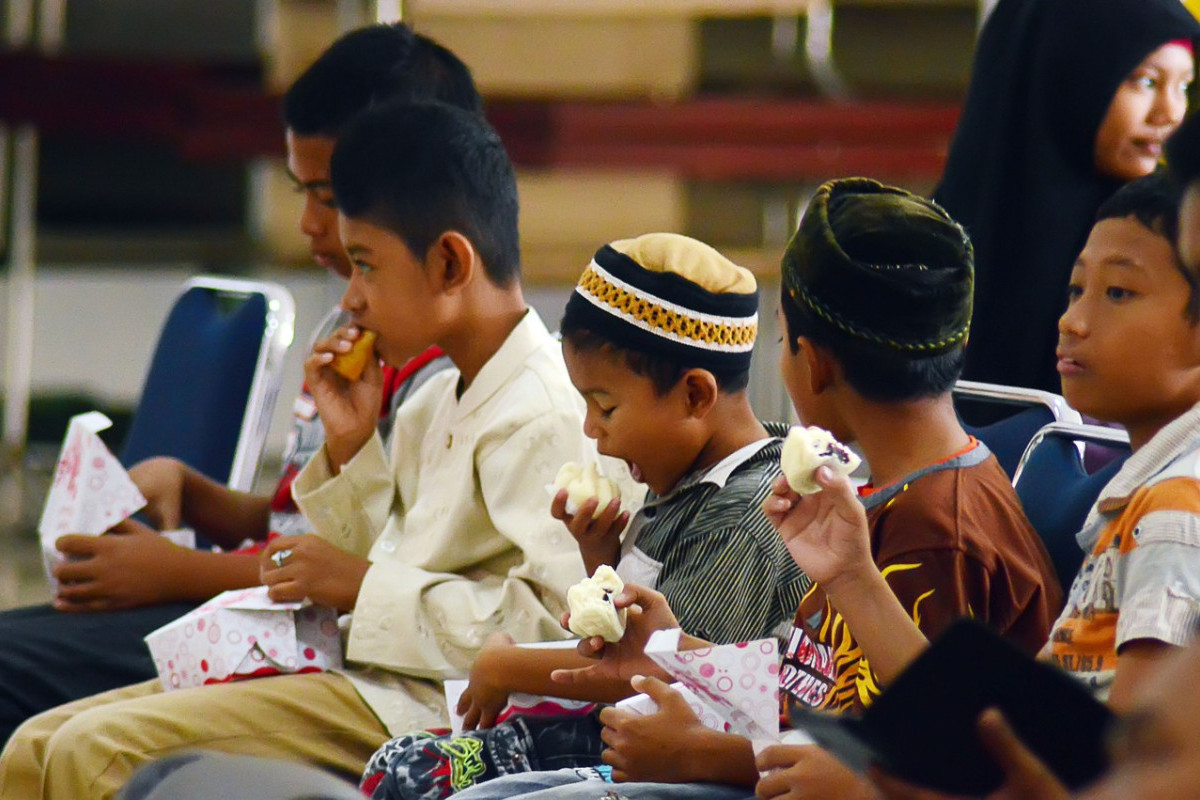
(340, 506)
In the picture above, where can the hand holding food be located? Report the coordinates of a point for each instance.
(592, 609)
(352, 363)
(582, 484)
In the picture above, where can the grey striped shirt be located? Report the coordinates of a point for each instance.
(708, 547)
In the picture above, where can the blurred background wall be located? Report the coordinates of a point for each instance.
(160, 147)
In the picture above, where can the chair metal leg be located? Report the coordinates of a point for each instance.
(818, 50)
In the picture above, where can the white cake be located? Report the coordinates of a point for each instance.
(805, 449)
(592, 609)
(582, 484)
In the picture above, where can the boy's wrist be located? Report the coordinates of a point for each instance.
(594, 557)
(721, 758)
(859, 581)
(341, 450)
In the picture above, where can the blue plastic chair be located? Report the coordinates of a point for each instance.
(1023, 412)
(1056, 491)
(214, 379)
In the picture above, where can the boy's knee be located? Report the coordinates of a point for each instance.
(85, 747)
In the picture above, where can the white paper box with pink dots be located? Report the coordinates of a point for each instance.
(242, 634)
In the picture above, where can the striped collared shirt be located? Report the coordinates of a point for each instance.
(709, 548)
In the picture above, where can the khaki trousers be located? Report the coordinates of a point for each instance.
(90, 748)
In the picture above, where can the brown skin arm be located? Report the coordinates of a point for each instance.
(503, 668)
(177, 495)
(138, 567)
(224, 516)
(1135, 661)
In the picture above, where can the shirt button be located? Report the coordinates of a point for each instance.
(387, 546)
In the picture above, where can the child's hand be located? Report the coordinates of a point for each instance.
(1025, 776)
(599, 539)
(826, 532)
(482, 701)
(296, 567)
(160, 480)
(647, 612)
(127, 568)
(799, 772)
(656, 747)
(349, 409)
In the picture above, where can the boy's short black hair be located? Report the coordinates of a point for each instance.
(1154, 202)
(370, 66)
(878, 375)
(420, 170)
(883, 280)
(664, 373)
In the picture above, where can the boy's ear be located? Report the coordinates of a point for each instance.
(452, 262)
(701, 391)
(821, 367)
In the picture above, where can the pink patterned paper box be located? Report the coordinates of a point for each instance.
(739, 682)
(91, 491)
(242, 634)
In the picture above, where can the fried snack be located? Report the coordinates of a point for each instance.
(582, 484)
(592, 609)
(805, 449)
(352, 363)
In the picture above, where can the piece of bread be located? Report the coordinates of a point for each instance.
(592, 609)
(582, 484)
(805, 449)
(352, 363)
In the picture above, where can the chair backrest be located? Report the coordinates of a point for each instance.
(1056, 491)
(214, 378)
(1017, 414)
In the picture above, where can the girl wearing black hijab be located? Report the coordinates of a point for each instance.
(1068, 100)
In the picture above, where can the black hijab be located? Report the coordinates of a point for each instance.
(1020, 175)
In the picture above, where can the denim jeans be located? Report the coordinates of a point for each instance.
(584, 784)
(429, 766)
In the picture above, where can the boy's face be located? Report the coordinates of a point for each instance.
(390, 291)
(308, 165)
(1126, 352)
(629, 420)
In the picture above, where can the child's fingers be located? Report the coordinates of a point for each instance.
(774, 757)
(664, 696)
(341, 341)
(315, 362)
(1022, 769)
(835, 483)
(782, 488)
(77, 545)
(470, 718)
(776, 507)
(608, 515)
(464, 703)
(558, 507)
(612, 717)
(581, 521)
(570, 677)
(634, 595)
